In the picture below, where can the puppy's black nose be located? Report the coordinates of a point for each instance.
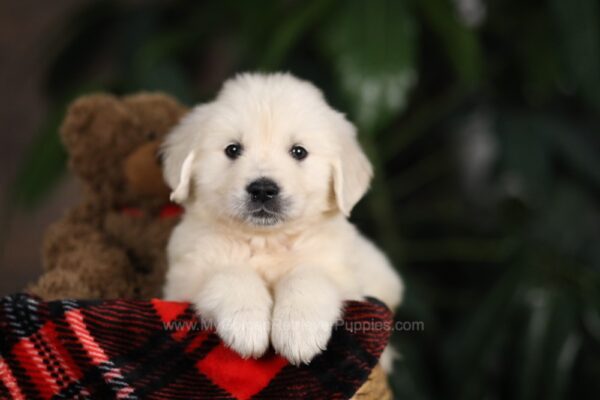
(262, 190)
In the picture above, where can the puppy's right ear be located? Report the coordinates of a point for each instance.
(179, 154)
(182, 191)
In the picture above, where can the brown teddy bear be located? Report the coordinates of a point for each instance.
(112, 244)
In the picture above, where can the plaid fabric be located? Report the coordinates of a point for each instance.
(155, 350)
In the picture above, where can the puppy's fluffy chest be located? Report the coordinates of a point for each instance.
(270, 256)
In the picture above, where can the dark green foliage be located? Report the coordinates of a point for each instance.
(501, 256)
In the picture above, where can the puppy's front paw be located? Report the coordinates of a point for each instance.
(300, 333)
(245, 331)
(239, 306)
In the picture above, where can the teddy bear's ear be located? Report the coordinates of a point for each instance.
(158, 110)
(92, 132)
(83, 112)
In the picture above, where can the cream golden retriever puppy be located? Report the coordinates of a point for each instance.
(268, 173)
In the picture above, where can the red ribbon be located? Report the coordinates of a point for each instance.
(169, 210)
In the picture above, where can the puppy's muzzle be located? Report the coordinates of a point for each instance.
(263, 191)
(264, 205)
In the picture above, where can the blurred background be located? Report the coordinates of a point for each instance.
(481, 118)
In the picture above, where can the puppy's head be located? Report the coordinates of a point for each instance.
(267, 151)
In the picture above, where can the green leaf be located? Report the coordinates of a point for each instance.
(530, 142)
(289, 31)
(578, 31)
(372, 47)
(460, 43)
(568, 141)
(571, 206)
(538, 58)
(525, 158)
(550, 344)
(476, 339)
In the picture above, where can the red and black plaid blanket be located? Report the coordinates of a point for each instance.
(156, 350)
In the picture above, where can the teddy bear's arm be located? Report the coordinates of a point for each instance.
(81, 261)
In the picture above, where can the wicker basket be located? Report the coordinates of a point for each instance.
(376, 387)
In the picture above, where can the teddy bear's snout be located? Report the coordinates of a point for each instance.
(143, 171)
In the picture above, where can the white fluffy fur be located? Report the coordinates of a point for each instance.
(282, 284)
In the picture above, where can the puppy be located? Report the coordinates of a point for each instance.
(268, 173)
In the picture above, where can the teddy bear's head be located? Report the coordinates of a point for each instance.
(113, 146)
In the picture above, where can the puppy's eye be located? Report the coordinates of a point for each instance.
(233, 151)
(298, 152)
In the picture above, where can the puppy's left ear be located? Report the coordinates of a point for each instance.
(178, 154)
(352, 171)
